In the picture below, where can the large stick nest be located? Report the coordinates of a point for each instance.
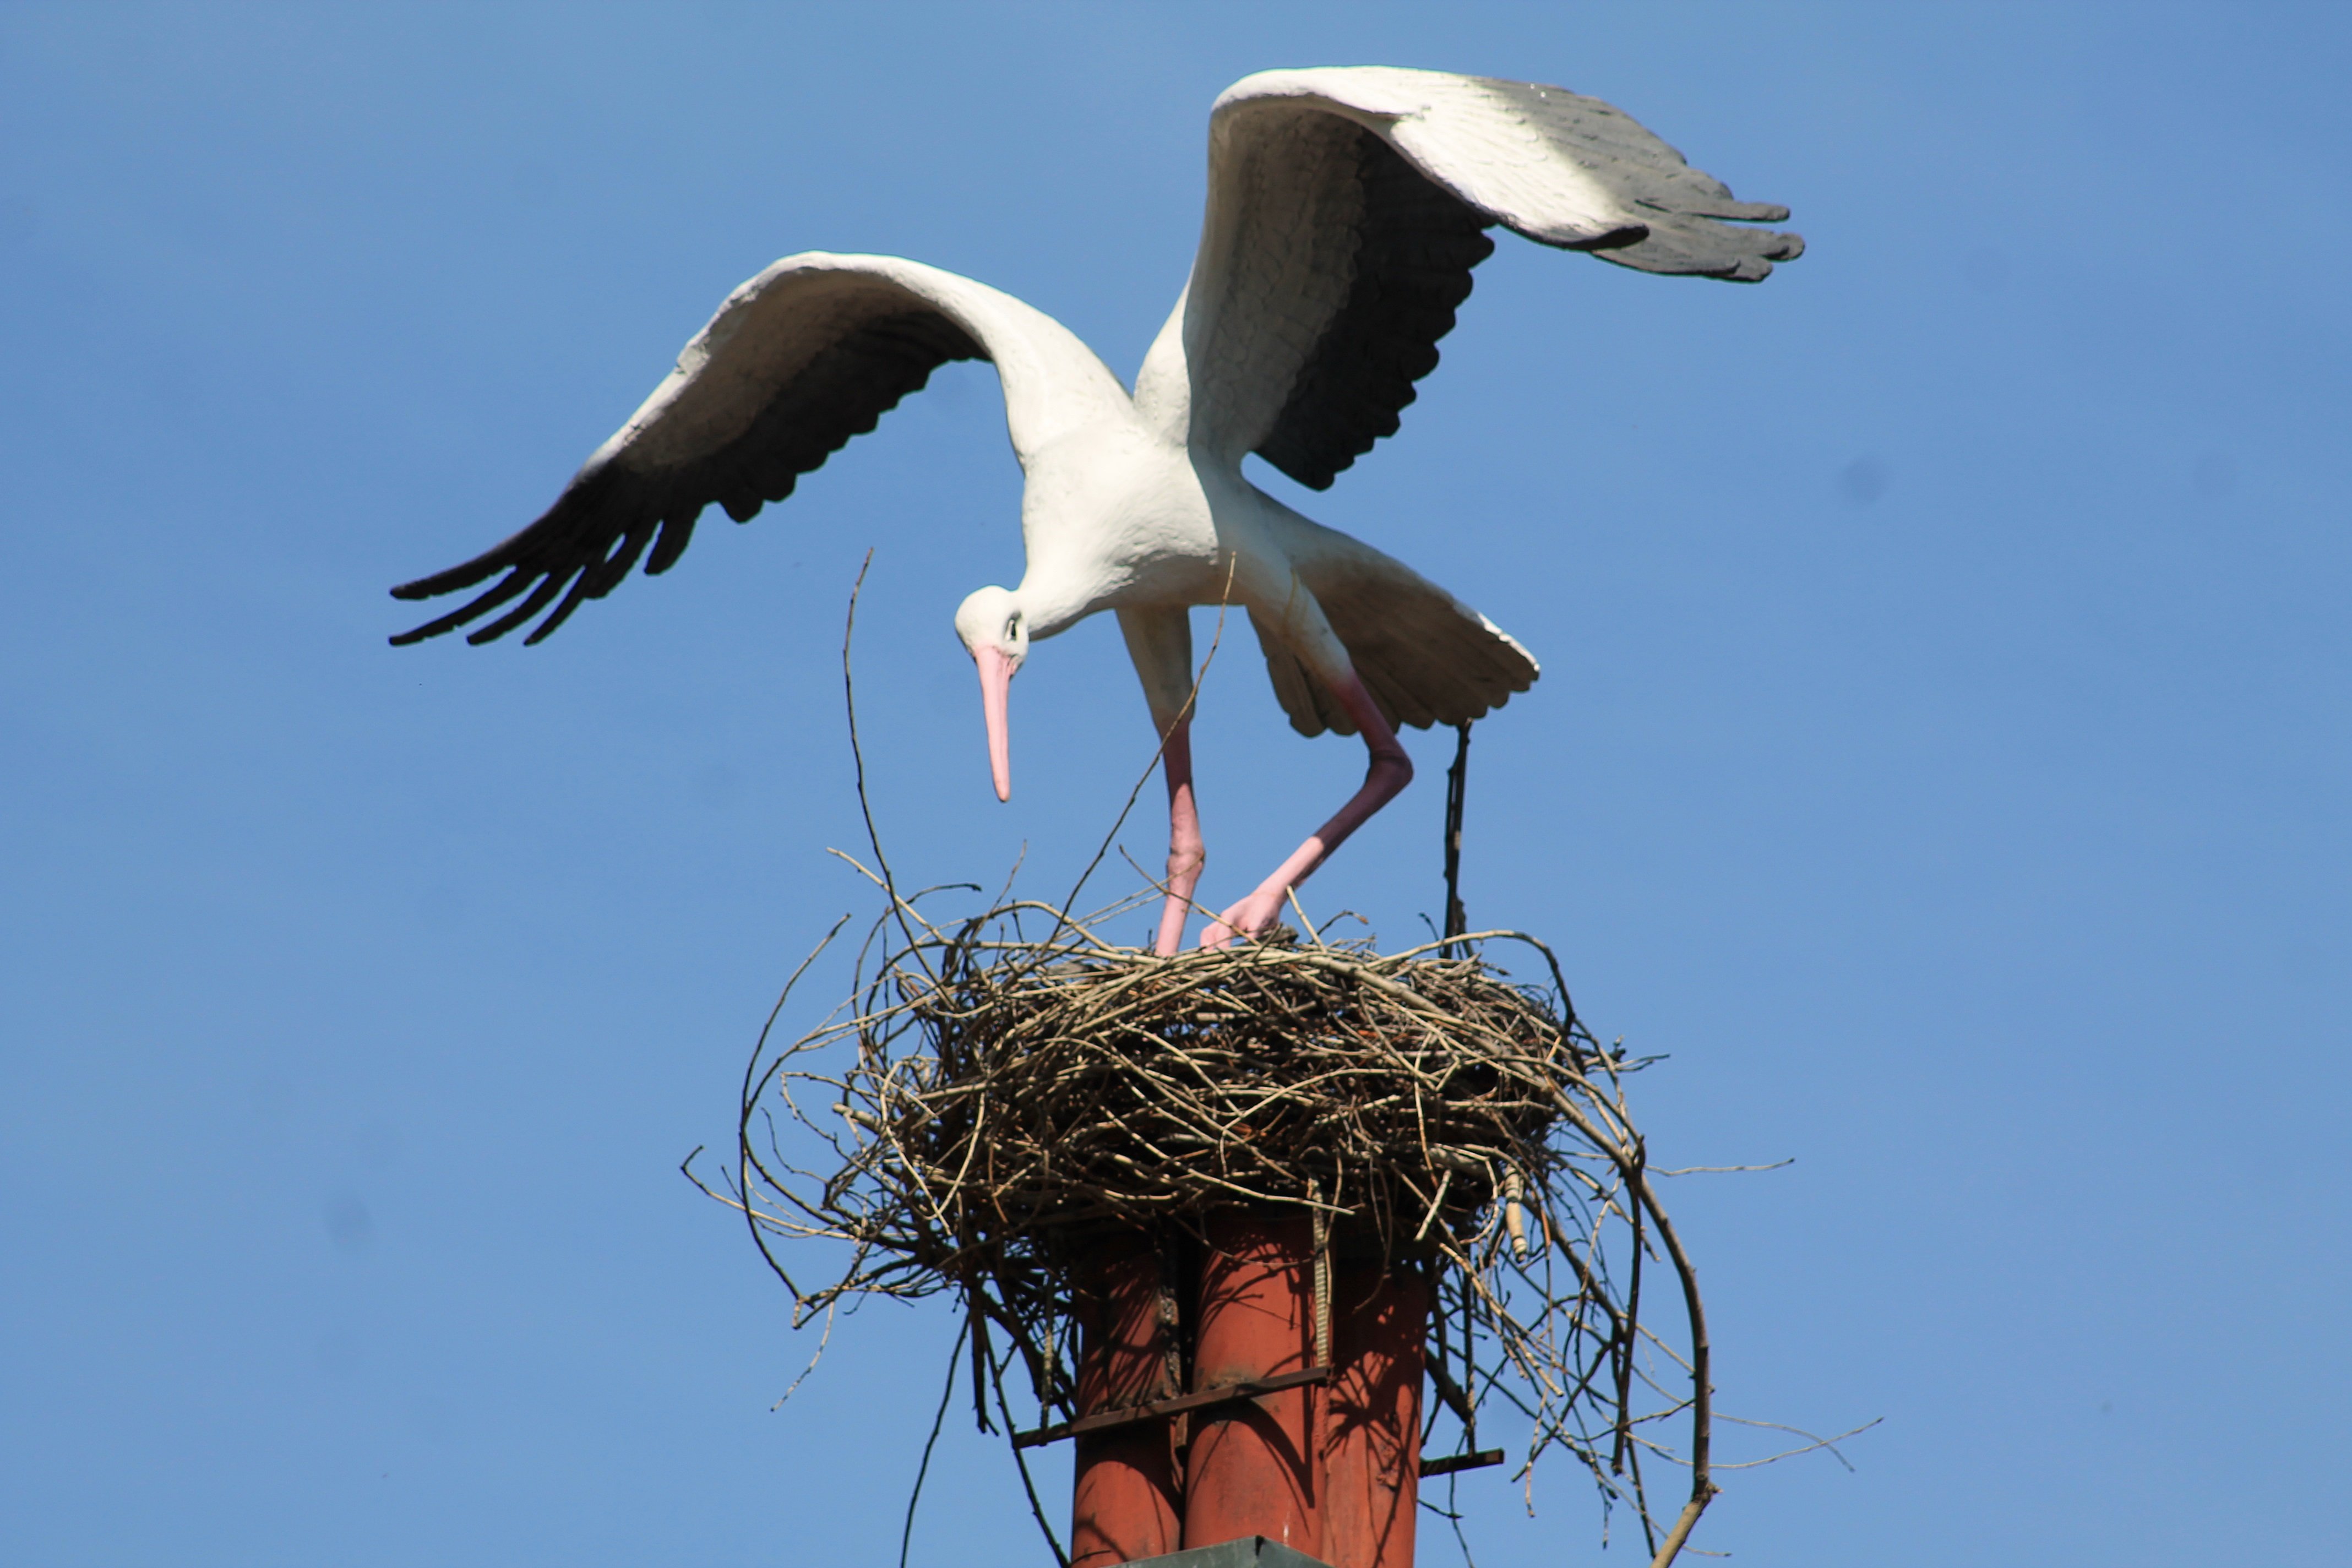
(1061, 1090)
(991, 1097)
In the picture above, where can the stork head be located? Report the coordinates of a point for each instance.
(995, 632)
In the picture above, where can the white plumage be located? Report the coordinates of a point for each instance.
(1346, 210)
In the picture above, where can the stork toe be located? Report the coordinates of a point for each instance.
(1248, 920)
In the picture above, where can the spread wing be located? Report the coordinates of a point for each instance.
(810, 352)
(1426, 658)
(1346, 210)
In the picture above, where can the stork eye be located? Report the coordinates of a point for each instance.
(1012, 629)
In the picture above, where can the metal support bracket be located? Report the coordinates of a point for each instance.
(1175, 1405)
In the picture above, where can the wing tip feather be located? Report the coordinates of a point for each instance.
(463, 576)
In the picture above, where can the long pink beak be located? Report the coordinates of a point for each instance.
(995, 688)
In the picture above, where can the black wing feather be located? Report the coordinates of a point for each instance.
(609, 511)
(1414, 248)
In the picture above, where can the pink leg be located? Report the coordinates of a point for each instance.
(1389, 771)
(1186, 853)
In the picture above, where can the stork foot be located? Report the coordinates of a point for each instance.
(1246, 920)
(1387, 771)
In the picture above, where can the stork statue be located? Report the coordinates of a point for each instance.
(1346, 210)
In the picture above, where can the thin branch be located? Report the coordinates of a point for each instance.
(938, 1419)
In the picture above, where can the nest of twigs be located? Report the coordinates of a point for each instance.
(996, 1091)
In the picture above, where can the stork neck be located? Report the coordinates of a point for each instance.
(1164, 386)
(1054, 600)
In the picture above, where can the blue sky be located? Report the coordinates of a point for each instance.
(1941, 755)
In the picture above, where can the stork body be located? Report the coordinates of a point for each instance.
(1144, 527)
(1346, 210)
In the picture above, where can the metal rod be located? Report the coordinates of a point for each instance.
(1448, 1464)
(1173, 1405)
(1457, 782)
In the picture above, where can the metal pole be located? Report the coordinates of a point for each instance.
(1371, 1427)
(1125, 1495)
(1250, 1467)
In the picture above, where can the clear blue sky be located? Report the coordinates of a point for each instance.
(1942, 753)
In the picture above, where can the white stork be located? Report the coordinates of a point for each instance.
(1346, 210)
